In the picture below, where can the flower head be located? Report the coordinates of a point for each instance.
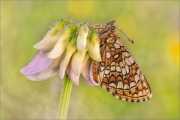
(67, 48)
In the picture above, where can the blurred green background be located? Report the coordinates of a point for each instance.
(153, 25)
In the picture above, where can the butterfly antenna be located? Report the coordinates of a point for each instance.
(130, 40)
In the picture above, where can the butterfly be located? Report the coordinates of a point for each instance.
(118, 72)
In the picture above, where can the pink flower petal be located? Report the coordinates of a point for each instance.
(39, 63)
(42, 75)
(77, 60)
(50, 39)
(91, 76)
(85, 73)
(72, 76)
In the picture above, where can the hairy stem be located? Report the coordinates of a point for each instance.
(64, 99)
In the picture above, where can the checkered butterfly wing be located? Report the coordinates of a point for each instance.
(118, 72)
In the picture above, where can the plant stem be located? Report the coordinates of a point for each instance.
(64, 99)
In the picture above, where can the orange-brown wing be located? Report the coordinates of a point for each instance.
(119, 73)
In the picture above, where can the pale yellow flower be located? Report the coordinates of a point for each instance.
(94, 51)
(68, 48)
(82, 37)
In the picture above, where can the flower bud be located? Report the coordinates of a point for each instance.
(60, 46)
(65, 60)
(56, 63)
(91, 76)
(77, 60)
(85, 70)
(42, 75)
(73, 77)
(82, 37)
(39, 63)
(39, 68)
(49, 40)
(94, 47)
